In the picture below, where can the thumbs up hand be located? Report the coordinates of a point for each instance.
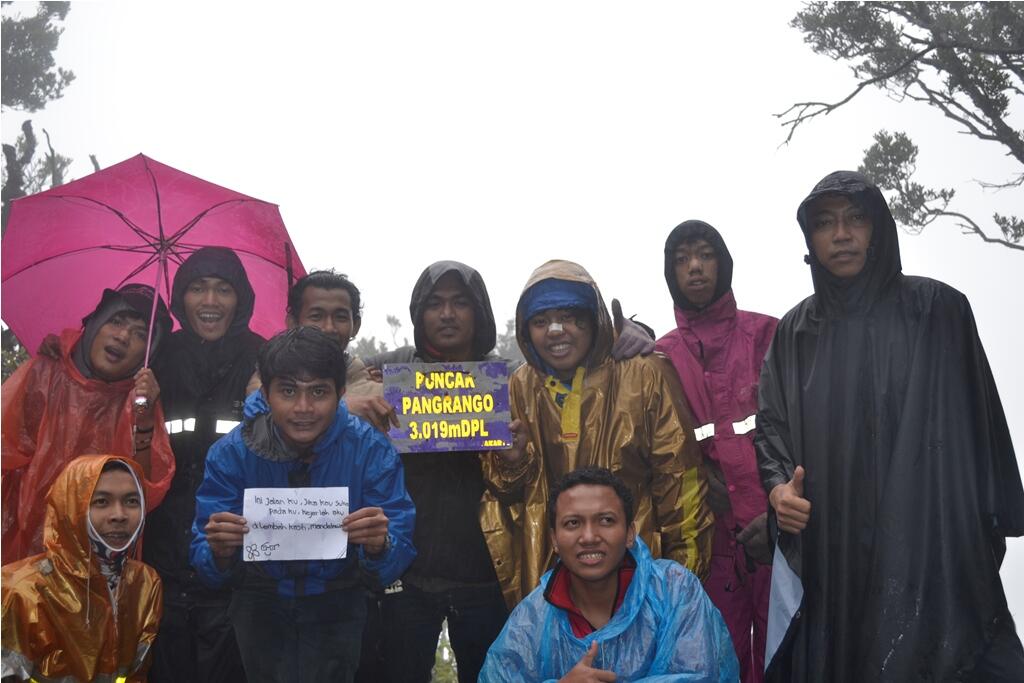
(791, 508)
(584, 671)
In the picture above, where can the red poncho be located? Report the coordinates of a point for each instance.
(53, 414)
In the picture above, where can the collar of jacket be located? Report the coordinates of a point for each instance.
(261, 437)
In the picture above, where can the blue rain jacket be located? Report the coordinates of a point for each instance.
(666, 630)
(350, 453)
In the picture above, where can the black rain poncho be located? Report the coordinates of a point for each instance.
(880, 388)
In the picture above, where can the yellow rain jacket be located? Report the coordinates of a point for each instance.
(633, 420)
(60, 619)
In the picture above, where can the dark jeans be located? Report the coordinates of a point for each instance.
(314, 638)
(195, 643)
(412, 623)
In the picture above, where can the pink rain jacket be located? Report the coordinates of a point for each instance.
(718, 354)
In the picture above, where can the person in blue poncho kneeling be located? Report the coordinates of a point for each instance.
(608, 611)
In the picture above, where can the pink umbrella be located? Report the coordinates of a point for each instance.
(135, 221)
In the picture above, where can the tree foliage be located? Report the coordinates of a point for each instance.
(31, 77)
(965, 60)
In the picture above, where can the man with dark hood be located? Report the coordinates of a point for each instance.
(718, 352)
(204, 374)
(77, 396)
(452, 575)
(887, 459)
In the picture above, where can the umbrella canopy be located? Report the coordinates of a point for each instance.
(134, 221)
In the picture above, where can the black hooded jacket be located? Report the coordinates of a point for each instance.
(688, 231)
(446, 487)
(201, 384)
(879, 387)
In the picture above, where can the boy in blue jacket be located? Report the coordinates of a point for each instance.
(302, 620)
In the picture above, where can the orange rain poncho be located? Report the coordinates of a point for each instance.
(51, 415)
(61, 621)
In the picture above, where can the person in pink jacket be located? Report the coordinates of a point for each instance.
(718, 351)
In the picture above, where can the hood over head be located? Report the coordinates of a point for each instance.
(538, 296)
(688, 231)
(219, 262)
(66, 531)
(485, 333)
(132, 297)
(883, 265)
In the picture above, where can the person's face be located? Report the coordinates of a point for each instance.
(590, 534)
(329, 310)
(840, 235)
(115, 509)
(448, 318)
(562, 338)
(697, 271)
(119, 347)
(210, 304)
(302, 409)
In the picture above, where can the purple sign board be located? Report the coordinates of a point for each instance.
(449, 406)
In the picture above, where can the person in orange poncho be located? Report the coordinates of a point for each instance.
(83, 610)
(75, 398)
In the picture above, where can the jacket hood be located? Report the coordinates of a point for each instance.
(134, 298)
(66, 530)
(222, 263)
(693, 230)
(604, 335)
(485, 333)
(883, 265)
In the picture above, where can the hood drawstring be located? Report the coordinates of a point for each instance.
(570, 400)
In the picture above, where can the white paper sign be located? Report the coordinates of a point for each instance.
(295, 524)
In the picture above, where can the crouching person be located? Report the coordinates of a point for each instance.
(609, 611)
(82, 610)
(302, 620)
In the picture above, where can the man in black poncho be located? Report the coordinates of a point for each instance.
(887, 459)
(203, 373)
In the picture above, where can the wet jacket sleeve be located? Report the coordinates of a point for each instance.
(772, 439)
(151, 610)
(384, 487)
(507, 483)
(694, 643)
(678, 486)
(222, 490)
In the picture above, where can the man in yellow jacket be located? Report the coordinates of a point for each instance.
(83, 610)
(574, 406)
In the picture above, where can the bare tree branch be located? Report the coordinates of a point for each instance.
(804, 111)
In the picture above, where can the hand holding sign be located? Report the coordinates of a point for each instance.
(791, 508)
(225, 532)
(513, 455)
(368, 527)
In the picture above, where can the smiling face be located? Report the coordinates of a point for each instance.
(119, 347)
(301, 409)
(840, 235)
(210, 304)
(449, 319)
(329, 310)
(115, 509)
(590, 532)
(562, 338)
(697, 271)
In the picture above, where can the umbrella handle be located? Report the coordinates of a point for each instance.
(141, 402)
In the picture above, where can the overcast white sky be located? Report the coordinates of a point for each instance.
(396, 134)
